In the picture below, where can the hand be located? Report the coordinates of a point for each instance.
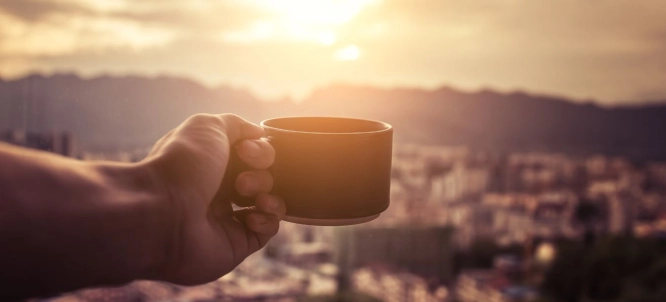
(206, 237)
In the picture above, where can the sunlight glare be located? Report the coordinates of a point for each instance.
(349, 53)
(327, 38)
(304, 20)
(307, 12)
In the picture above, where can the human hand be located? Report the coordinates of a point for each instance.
(205, 237)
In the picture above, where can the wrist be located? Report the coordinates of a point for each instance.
(144, 210)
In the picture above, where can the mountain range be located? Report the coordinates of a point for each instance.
(122, 111)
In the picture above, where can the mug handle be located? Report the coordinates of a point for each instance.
(235, 167)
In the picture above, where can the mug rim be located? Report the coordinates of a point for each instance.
(387, 126)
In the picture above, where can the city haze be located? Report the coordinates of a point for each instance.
(529, 161)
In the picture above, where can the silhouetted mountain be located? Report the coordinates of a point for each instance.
(503, 122)
(108, 111)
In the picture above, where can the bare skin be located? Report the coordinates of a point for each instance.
(68, 224)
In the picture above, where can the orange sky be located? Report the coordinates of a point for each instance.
(610, 50)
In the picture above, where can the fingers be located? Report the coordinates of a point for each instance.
(250, 183)
(253, 227)
(272, 204)
(264, 218)
(257, 153)
(262, 224)
(237, 128)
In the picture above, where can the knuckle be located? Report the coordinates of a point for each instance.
(199, 117)
(230, 118)
(203, 119)
(179, 147)
(228, 115)
(229, 122)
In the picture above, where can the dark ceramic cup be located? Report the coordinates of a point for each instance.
(328, 170)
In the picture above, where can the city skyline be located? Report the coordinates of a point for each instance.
(525, 161)
(607, 51)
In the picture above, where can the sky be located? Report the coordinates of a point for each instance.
(612, 51)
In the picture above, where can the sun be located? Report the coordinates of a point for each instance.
(348, 53)
(316, 21)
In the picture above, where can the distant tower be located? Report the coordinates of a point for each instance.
(67, 145)
(32, 110)
(344, 258)
(25, 105)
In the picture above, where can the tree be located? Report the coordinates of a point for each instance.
(587, 213)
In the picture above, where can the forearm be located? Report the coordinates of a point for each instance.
(66, 224)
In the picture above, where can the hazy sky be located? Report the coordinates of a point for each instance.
(610, 50)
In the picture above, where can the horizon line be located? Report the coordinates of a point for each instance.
(332, 84)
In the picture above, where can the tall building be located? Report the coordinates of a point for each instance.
(491, 285)
(423, 251)
(390, 286)
(60, 143)
(460, 183)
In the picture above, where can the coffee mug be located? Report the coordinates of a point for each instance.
(328, 170)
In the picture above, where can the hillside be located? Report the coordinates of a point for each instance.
(130, 111)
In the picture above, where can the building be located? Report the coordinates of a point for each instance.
(392, 286)
(423, 251)
(60, 143)
(481, 285)
(304, 254)
(460, 183)
(489, 285)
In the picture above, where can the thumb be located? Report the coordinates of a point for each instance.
(238, 129)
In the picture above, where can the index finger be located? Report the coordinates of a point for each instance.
(259, 154)
(238, 128)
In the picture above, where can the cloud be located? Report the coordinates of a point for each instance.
(586, 49)
(34, 10)
(610, 50)
(60, 34)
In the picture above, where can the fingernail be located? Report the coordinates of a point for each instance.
(273, 203)
(250, 183)
(252, 149)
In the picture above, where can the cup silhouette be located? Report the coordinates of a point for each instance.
(328, 170)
